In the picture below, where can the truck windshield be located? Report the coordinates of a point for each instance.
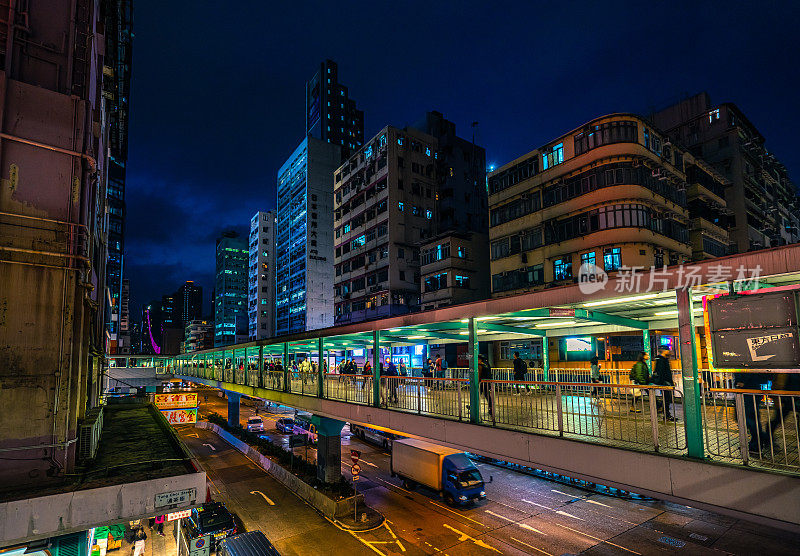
(470, 478)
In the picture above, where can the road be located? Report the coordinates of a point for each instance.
(522, 514)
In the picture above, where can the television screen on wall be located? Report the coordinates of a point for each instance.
(580, 343)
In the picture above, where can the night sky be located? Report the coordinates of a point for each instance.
(217, 100)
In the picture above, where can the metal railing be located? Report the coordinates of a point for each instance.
(628, 415)
(753, 426)
(443, 397)
(348, 388)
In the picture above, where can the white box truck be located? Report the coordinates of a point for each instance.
(445, 470)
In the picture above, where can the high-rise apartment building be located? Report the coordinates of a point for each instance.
(761, 196)
(614, 192)
(331, 115)
(124, 338)
(188, 303)
(304, 238)
(118, 25)
(230, 289)
(261, 277)
(199, 334)
(405, 194)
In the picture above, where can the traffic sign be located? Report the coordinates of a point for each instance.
(355, 455)
(356, 477)
(356, 469)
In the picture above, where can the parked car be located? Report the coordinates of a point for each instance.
(254, 543)
(214, 519)
(285, 425)
(255, 424)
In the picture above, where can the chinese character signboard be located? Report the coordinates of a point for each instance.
(180, 416)
(756, 331)
(176, 401)
(176, 498)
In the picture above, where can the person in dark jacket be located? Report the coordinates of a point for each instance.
(485, 373)
(639, 375)
(759, 440)
(662, 376)
(520, 368)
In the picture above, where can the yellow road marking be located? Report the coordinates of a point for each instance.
(457, 513)
(534, 529)
(490, 512)
(463, 537)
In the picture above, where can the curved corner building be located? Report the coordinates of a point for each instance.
(613, 192)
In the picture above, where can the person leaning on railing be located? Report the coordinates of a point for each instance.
(639, 375)
(662, 376)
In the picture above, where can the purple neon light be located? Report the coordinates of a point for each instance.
(156, 349)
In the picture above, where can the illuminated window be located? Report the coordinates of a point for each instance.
(428, 151)
(428, 214)
(462, 281)
(368, 152)
(553, 157)
(400, 141)
(562, 269)
(588, 258)
(612, 259)
(713, 115)
(400, 205)
(359, 241)
(347, 227)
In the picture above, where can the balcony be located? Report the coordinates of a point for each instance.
(139, 469)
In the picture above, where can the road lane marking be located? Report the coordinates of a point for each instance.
(457, 513)
(531, 546)
(535, 504)
(561, 492)
(559, 512)
(597, 503)
(534, 529)
(490, 512)
(596, 538)
(368, 463)
(193, 435)
(269, 501)
(393, 485)
(463, 537)
(210, 446)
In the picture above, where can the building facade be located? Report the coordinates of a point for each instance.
(304, 238)
(124, 342)
(118, 23)
(261, 276)
(199, 334)
(230, 290)
(53, 234)
(611, 193)
(188, 303)
(331, 115)
(406, 193)
(761, 196)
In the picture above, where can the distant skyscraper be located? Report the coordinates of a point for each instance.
(116, 92)
(124, 339)
(330, 114)
(304, 243)
(230, 286)
(188, 303)
(261, 279)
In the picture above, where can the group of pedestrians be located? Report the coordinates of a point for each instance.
(661, 376)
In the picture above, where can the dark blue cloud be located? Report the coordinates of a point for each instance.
(218, 91)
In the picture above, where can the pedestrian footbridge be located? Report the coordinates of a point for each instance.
(609, 432)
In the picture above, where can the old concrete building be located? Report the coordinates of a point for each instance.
(614, 193)
(406, 193)
(761, 195)
(53, 234)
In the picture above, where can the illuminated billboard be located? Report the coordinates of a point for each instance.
(176, 401)
(180, 416)
(581, 343)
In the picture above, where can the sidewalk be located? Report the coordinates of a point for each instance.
(155, 545)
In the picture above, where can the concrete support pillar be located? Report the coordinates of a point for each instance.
(376, 368)
(286, 367)
(693, 418)
(329, 448)
(320, 371)
(472, 360)
(233, 408)
(546, 358)
(261, 380)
